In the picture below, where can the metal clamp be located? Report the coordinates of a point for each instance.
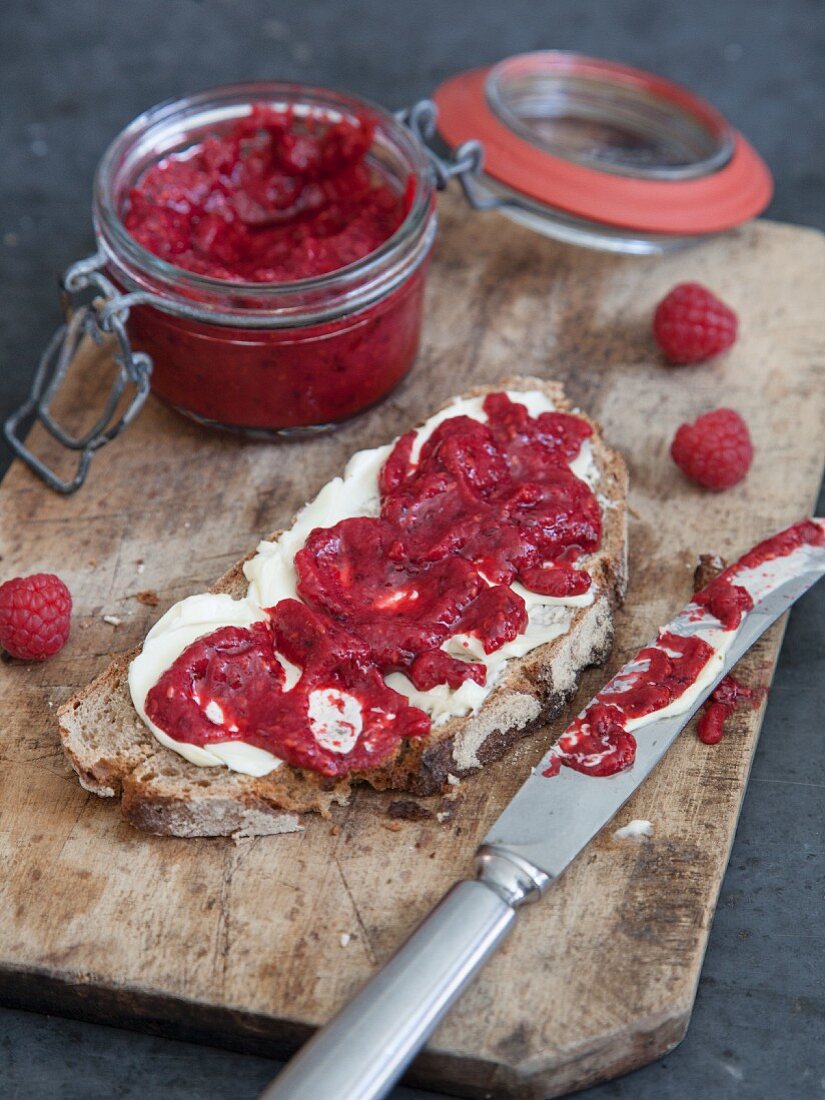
(465, 164)
(105, 316)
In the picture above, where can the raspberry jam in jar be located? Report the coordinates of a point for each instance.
(282, 233)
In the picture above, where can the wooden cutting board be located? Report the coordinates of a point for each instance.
(241, 943)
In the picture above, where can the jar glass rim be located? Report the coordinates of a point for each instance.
(661, 130)
(230, 101)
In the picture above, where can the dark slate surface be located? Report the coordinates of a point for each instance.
(73, 74)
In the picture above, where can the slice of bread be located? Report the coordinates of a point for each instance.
(114, 754)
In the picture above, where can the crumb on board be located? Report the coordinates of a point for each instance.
(344, 938)
(334, 830)
(393, 826)
(449, 805)
(112, 620)
(148, 597)
(634, 829)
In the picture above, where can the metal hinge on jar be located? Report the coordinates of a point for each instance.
(464, 165)
(103, 318)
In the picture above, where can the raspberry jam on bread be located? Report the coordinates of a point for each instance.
(475, 519)
(232, 685)
(234, 787)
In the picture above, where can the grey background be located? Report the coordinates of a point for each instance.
(73, 74)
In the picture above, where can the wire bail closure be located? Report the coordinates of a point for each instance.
(99, 319)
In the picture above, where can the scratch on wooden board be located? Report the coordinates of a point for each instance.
(367, 941)
(81, 810)
(235, 856)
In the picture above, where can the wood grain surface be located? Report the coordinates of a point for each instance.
(241, 943)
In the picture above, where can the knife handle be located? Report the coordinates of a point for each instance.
(363, 1051)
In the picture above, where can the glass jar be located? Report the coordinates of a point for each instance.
(259, 358)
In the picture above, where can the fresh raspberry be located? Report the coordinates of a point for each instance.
(35, 616)
(715, 450)
(691, 324)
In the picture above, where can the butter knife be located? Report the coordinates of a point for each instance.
(363, 1051)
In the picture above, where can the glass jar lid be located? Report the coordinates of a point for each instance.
(602, 153)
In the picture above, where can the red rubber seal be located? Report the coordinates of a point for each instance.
(725, 198)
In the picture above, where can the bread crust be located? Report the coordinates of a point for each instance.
(115, 755)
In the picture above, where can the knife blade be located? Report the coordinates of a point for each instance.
(362, 1052)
